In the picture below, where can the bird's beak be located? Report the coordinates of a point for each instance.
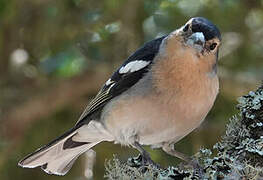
(196, 40)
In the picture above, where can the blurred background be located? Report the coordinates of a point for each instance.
(56, 54)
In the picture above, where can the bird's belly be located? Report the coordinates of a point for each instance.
(153, 119)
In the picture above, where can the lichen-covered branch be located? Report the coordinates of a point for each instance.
(239, 154)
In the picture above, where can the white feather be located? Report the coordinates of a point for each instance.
(133, 66)
(109, 82)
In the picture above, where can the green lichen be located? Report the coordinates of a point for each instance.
(115, 169)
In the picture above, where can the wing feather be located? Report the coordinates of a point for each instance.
(120, 82)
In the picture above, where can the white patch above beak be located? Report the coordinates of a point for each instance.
(196, 40)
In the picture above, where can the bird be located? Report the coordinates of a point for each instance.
(161, 93)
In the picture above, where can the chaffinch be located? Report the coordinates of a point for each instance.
(160, 94)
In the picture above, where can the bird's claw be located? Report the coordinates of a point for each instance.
(141, 161)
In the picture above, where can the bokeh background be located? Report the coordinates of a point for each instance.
(55, 55)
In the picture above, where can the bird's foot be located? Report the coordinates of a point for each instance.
(135, 161)
(142, 161)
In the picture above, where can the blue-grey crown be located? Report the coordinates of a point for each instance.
(210, 31)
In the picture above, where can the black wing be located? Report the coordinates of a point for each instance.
(120, 82)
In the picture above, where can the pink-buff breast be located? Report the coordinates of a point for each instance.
(183, 92)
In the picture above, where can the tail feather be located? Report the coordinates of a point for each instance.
(58, 156)
(63, 162)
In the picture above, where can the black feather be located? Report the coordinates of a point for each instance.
(69, 143)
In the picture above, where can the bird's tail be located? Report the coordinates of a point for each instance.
(58, 156)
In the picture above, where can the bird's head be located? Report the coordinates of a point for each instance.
(198, 34)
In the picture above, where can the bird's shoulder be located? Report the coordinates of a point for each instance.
(127, 75)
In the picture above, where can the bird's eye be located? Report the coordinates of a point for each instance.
(186, 28)
(213, 46)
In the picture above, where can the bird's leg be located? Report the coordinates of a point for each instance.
(169, 149)
(145, 155)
